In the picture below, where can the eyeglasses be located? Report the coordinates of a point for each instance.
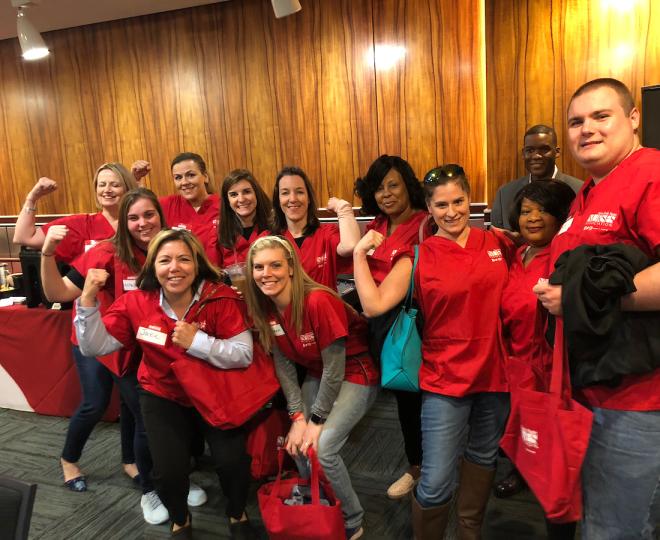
(531, 151)
(451, 170)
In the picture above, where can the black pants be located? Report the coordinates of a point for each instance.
(409, 406)
(170, 428)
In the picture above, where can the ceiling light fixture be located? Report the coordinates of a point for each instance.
(32, 44)
(282, 8)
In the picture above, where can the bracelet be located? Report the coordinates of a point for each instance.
(47, 254)
(29, 209)
(297, 416)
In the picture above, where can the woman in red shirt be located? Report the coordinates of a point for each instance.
(244, 216)
(391, 192)
(459, 279)
(111, 181)
(181, 311)
(303, 322)
(295, 218)
(538, 211)
(195, 208)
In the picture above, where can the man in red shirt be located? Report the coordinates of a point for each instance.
(620, 203)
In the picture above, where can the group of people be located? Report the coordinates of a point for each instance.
(145, 276)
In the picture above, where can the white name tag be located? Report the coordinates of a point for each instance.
(151, 336)
(89, 244)
(371, 252)
(129, 284)
(277, 329)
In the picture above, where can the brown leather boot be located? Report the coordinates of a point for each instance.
(429, 523)
(473, 493)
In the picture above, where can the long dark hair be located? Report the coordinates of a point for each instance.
(122, 240)
(229, 225)
(279, 225)
(366, 187)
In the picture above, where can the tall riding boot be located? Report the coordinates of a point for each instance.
(429, 523)
(473, 492)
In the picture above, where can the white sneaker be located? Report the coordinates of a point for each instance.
(196, 495)
(153, 509)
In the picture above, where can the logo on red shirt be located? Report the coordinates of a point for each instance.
(308, 339)
(321, 260)
(495, 255)
(603, 221)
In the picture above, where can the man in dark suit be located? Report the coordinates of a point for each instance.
(539, 152)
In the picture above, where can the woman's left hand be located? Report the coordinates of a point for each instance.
(311, 437)
(184, 334)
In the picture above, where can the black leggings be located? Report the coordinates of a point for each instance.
(170, 428)
(409, 406)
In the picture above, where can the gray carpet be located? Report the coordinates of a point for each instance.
(30, 446)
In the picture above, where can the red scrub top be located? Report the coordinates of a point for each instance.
(223, 317)
(623, 207)
(326, 319)
(459, 291)
(224, 257)
(523, 317)
(179, 213)
(405, 235)
(318, 254)
(85, 230)
(120, 280)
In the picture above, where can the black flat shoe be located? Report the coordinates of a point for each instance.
(184, 533)
(79, 484)
(512, 484)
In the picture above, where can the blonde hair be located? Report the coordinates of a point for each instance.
(126, 178)
(261, 307)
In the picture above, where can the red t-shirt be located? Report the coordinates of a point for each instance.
(223, 257)
(318, 254)
(459, 291)
(624, 207)
(224, 317)
(326, 319)
(405, 235)
(523, 317)
(85, 230)
(179, 213)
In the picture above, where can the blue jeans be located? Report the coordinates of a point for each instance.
(621, 476)
(352, 403)
(96, 385)
(446, 422)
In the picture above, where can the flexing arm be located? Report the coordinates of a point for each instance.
(26, 232)
(56, 288)
(376, 300)
(349, 230)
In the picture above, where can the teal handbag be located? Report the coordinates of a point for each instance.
(401, 356)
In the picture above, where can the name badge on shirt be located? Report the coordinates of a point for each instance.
(129, 284)
(277, 329)
(151, 336)
(567, 225)
(89, 244)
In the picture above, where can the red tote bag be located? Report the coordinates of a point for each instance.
(547, 435)
(302, 522)
(264, 430)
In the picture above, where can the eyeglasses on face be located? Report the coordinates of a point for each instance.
(451, 170)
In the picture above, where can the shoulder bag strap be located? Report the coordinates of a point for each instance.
(411, 286)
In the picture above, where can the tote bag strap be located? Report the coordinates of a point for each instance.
(411, 285)
(201, 303)
(558, 385)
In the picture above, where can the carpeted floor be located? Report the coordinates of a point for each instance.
(30, 446)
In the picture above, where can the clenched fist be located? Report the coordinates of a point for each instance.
(184, 334)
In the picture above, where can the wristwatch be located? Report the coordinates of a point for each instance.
(316, 419)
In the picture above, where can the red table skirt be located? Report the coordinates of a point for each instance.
(35, 351)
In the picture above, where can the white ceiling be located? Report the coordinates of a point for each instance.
(57, 14)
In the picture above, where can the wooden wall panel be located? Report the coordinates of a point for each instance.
(243, 89)
(431, 105)
(538, 53)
